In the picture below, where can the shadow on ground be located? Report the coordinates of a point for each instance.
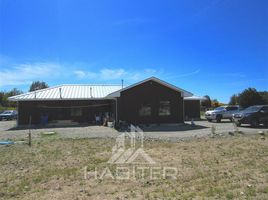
(167, 128)
(49, 126)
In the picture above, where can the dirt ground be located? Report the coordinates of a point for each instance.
(70, 164)
(219, 167)
(166, 132)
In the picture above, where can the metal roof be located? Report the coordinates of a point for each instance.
(68, 92)
(87, 91)
(194, 98)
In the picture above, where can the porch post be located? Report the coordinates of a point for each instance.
(116, 112)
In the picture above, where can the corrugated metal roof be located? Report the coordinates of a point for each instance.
(67, 92)
(85, 91)
(194, 98)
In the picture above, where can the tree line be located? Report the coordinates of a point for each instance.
(249, 97)
(246, 98)
(5, 104)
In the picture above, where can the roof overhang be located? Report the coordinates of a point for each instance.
(58, 99)
(192, 98)
(94, 92)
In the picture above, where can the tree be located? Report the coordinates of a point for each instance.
(4, 97)
(215, 103)
(38, 85)
(250, 97)
(206, 103)
(233, 100)
(13, 92)
(264, 96)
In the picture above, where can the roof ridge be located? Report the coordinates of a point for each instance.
(35, 91)
(88, 84)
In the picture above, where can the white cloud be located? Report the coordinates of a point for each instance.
(107, 74)
(80, 74)
(21, 74)
(187, 74)
(103, 74)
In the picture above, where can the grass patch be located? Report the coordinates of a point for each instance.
(228, 168)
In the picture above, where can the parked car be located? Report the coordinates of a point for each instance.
(222, 112)
(253, 115)
(8, 115)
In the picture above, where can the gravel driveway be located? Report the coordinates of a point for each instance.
(172, 132)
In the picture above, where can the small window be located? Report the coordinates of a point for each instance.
(145, 110)
(164, 108)
(76, 112)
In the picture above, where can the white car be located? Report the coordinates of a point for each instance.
(222, 112)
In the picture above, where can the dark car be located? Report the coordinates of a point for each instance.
(8, 115)
(253, 115)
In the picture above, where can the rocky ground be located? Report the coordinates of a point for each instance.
(164, 132)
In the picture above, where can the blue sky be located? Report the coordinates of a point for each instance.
(216, 47)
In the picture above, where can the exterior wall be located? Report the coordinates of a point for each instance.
(61, 110)
(192, 109)
(150, 92)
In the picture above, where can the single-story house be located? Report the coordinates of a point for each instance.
(149, 101)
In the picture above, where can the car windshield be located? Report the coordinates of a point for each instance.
(220, 108)
(7, 112)
(253, 109)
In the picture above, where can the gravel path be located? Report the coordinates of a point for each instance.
(170, 132)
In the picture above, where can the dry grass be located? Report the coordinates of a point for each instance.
(209, 168)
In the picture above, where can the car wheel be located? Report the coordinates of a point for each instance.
(218, 118)
(254, 123)
(209, 120)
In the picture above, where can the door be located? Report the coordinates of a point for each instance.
(264, 115)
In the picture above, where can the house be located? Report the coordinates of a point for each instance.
(149, 101)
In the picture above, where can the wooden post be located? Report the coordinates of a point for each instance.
(30, 134)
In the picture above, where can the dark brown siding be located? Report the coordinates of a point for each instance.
(61, 110)
(192, 109)
(152, 93)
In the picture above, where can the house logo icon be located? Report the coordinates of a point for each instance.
(129, 148)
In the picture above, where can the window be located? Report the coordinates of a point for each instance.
(265, 109)
(220, 108)
(76, 112)
(145, 110)
(230, 108)
(164, 108)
